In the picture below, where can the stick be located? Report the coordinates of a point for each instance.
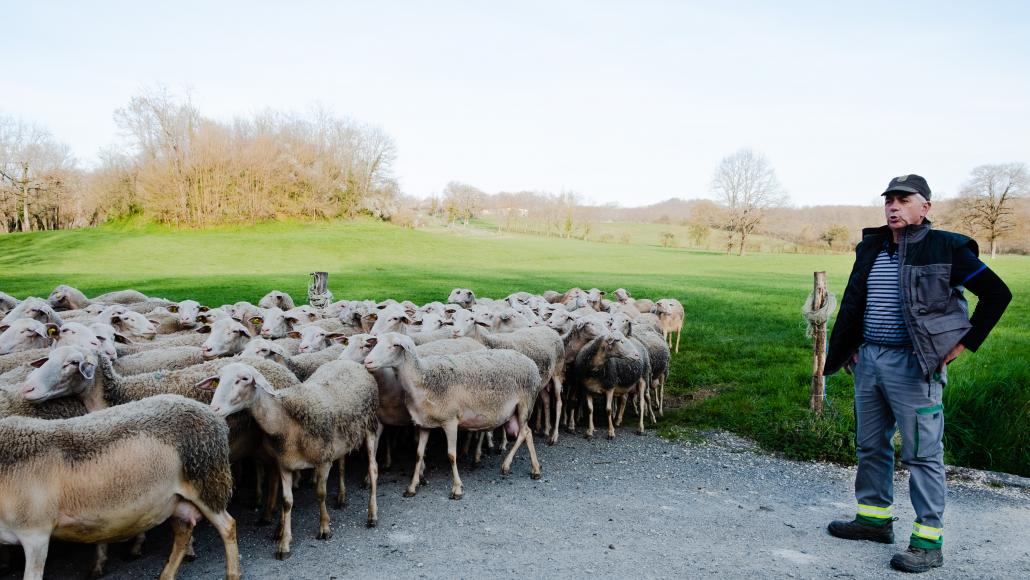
(818, 347)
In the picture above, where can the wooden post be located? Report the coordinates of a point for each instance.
(319, 282)
(818, 346)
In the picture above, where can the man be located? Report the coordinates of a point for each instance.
(903, 318)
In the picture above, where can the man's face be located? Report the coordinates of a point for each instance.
(904, 209)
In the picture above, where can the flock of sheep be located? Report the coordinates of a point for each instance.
(123, 411)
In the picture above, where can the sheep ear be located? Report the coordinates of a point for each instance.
(121, 338)
(173, 308)
(244, 332)
(87, 369)
(204, 309)
(371, 341)
(337, 337)
(52, 330)
(406, 319)
(479, 323)
(292, 319)
(40, 362)
(4, 327)
(208, 384)
(373, 316)
(262, 383)
(293, 334)
(204, 329)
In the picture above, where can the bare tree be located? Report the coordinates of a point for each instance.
(746, 184)
(986, 199)
(35, 170)
(462, 201)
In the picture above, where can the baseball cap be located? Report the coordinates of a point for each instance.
(907, 184)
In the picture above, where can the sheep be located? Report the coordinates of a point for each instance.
(71, 334)
(72, 371)
(108, 336)
(163, 359)
(657, 351)
(333, 310)
(64, 297)
(213, 315)
(250, 316)
(611, 365)
(541, 344)
(476, 390)
(644, 305)
(194, 338)
(276, 299)
(187, 311)
(392, 318)
(131, 324)
(25, 334)
(166, 457)
(164, 321)
(510, 320)
(34, 308)
(448, 346)
(594, 297)
(225, 337)
(670, 316)
(7, 303)
(462, 297)
(433, 329)
(302, 365)
(310, 425)
(551, 296)
(314, 337)
(275, 323)
(582, 331)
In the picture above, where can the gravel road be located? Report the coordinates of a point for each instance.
(635, 507)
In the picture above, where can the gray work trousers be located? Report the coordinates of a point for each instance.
(891, 392)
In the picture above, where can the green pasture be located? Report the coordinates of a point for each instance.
(744, 364)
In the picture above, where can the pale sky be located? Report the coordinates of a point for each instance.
(627, 102)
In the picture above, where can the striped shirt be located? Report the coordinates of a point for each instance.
(884, 322)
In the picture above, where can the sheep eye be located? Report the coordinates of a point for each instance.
(101, 338)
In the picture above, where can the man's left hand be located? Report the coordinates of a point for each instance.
(959, 348)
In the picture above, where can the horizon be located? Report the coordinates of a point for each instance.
(618, 104)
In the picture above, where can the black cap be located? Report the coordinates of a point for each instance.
(906, 184)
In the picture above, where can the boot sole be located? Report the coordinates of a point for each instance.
(878, 540)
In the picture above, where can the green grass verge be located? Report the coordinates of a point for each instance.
(744, 363)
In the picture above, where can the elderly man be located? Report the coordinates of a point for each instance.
(903, 318)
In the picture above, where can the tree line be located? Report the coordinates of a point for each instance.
(178, 167)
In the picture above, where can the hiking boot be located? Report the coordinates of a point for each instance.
(917, 560)
(856, 530)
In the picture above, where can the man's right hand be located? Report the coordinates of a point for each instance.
(849, 367)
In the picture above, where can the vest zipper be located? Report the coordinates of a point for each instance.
(906, 302)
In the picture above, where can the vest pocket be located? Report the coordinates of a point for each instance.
(932, 288)
(929, 431)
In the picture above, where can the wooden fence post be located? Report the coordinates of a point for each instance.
(818, 346)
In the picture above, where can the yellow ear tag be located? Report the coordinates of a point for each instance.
(173, 309)
(51, 331)
(256, 320)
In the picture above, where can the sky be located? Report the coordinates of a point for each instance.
(626, 102)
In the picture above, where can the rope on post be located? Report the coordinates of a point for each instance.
(319, 295)
(817, 311)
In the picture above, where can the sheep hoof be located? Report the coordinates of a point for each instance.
(409, 493)
(455, 495)
(505, 470)
(640, 432)
(534, 476)
(371, 523)
(341, 503)
(588, 436)
(190, 557)
(282, 555)
(324, 535)
(611, 436)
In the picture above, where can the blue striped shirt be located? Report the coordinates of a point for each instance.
(884, 321)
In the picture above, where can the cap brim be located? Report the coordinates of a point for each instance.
(901, 189)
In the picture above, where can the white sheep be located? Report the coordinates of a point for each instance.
(225, 338)
(276, 299)
(162, 359)
(462, 297)
(65, 297)
(25, 334)
(34, 308)
(166, 457)
(302, 364)
(670, 317)
(310, 425)
(479, 390)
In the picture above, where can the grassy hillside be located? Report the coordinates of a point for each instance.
(744, 362)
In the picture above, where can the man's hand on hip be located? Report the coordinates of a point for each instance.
(953, 354)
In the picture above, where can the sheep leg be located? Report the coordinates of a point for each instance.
(525, 435)
(650, 405)
(450, 429)
(99, 562)
(678, 333)
(35, 547)
(590, 416)
(182, 530)
(271, 494)
(136, 550)
(467, 447)
(622, 409)
(285, 520)
(642, 388)
(661, 396)
(545, 398)
(226, 527)
(190, 554)
(478, 458)
(557, 409)
(420, 454)
(489, 441)
(341, 492)
(321, 483)
(371, 443)
(609, 395)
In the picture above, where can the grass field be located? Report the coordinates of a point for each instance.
(744, 363)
